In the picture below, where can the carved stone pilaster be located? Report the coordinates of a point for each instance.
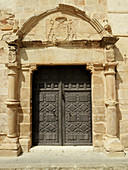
(11, 146)
(112, 144)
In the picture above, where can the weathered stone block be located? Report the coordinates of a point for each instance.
(99, 127)
(6, 28)
(25, 118)
(98, 92)
(98, 110)
(79, 2)
(124, 139)
(117, 5)
(99, 118)
(25, 110)
(98, 102)
(98, 140)
(25, 93)
(98, 79)
(123, 126)
(34, 3)
(25, 103)
(118, 21)
(123, 94)
(2, 137)
(25, 129)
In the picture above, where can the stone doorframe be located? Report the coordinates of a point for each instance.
(12, 144)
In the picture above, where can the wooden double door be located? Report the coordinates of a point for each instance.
(61, 106)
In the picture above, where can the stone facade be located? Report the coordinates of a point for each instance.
(64, 32)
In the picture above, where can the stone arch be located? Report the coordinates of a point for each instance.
(64, 9)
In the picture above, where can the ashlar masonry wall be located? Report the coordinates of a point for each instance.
(118, 16)
(112, 15)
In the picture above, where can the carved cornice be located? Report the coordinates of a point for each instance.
(70, 44)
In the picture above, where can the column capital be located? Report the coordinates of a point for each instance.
(111, 103)
(95, 67)
(12, 65)
(12, 103)
(110, 68)
(29, 67)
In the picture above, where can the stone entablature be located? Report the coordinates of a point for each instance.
(22, 63)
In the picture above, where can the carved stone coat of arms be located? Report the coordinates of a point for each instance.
(61, 29)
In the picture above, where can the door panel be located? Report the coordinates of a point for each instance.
(77, 118)
(62, 106)
(46, 119)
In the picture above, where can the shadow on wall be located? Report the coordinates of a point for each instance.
(23, 55)
(118, 58)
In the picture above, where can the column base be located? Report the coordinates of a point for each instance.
(113, 147)
(10, 147)
(25, 145)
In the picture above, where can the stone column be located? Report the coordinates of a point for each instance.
(112, 143)
(11, 146)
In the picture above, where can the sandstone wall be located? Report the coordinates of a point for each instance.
(13, 13)
(118, 16)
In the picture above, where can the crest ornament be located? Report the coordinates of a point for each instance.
(12, 54)
(61, 29)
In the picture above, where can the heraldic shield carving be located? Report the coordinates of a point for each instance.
(61, 28)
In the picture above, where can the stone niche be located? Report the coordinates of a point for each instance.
(62, 36)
